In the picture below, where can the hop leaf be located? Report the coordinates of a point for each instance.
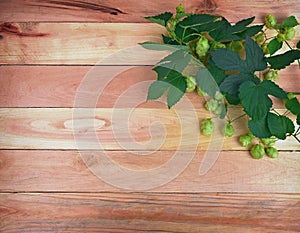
(279, 62)
(168, 79)
(161, 19)
(255, 99)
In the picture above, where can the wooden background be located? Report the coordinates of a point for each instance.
(46, 49)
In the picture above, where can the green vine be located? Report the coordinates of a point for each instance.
(234, 65)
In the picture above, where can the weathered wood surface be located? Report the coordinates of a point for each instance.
(47, 48)
(80, 43)
(56, 86)
(135, 11)
(131, 129)
(134, 212)
(65, 171)
(73, 43)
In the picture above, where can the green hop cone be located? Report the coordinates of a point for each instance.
(290, 33)
(245, 140)
(259, 38)
(257, 151)
(207, 127)
(219, 96)
(271, 75)
(218, 110)
(202, 46)
(270, 21)
(265, 48)
(268, 142)
(272, 152)
(236, 46)
(191, 84)
(172, 26)
(291, 95)
(217, 45)
(281, 37)
(228, 130)
(180, 9)
(211, 105)
(201, 93)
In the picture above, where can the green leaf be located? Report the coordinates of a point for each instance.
(227, 60)
(274, 46)
(163, 47)
(206, 82)
(280, 126)
(240, 26)
(157, 89)
(182, 15)
(273, 89)
(185, 30)
(298, 45)
(177, 60)
(260, 128)
(230, 61)
(255, 57)
(293, 105)
(174, 95)
(161, 19)
(239, 31)
(279, 62)
(208, 26)
(168, 40)
(231, 86)
(174, 80)
(289, 22)
(255, 100)
(218, 74)
(250, 31)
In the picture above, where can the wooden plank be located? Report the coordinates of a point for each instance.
(79, 43)
(119, 212)
(134, 11)
(75, 43)
(65, 171)
(56, 86)
(115, 129)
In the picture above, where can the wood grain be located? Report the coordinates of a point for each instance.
(65, 171)
(76, 43)
(80, 43)
(119, 212)
(134, 11)
(56, 86)
(115, 129)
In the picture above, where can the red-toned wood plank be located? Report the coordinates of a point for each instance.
(56, 86)
(121, 212)
(134, 11)
(65, 171)
(76, 43)
(80, 43)
(117, 129)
